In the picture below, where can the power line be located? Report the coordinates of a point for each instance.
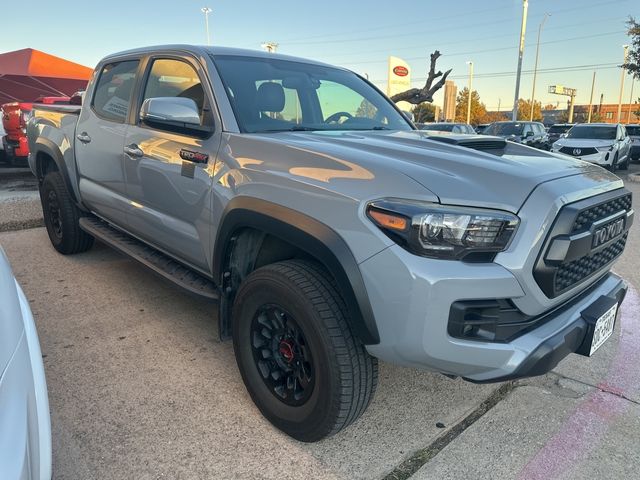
(475, 39)
(474, 52)
(324, 39)
(571, 68)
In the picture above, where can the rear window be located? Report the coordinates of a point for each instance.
(113, 91)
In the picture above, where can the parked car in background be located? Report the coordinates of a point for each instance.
(25, 426)
(634, 134)
(448, 127)
(480, 128)
(526, 133)
(2, 133)
(605, 144)
(14, 121)
(557, 131)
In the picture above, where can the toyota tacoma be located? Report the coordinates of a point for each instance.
(329, 230)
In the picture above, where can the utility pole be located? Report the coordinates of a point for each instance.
(535, 68)
(499, 102)
(469, 92)
(626, 51)
(633, 79)
(206, 11)
(593, 83)
(523, 29)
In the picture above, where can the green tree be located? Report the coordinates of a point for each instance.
(424, 112)
(366, 109)
(632, 65)
(478, 109)
(524, 110)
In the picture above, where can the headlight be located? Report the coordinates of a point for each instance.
(608, 148)
(446, 232)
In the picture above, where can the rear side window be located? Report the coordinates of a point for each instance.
(113, 91)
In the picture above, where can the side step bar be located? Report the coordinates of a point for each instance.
(157, 261)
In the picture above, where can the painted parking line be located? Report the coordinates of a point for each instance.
(585, 428)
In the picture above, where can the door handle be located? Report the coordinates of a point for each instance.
(83, 137)
(133, 150)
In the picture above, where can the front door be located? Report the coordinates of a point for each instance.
(100, 135)
(169, 173)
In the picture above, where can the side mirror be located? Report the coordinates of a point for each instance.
(170, 111)
(76, 98)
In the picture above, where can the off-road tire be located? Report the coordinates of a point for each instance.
(63, 228)
(345, 375)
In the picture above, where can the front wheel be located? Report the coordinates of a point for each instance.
(625, 165)
(61, 217)
(303, 367)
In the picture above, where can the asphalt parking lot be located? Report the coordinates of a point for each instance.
(141, 388)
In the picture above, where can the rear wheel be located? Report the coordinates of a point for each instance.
(61, 217)
(303, 367)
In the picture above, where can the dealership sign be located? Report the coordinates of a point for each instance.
(399, 79)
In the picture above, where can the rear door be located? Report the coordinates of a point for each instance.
(169, 176)
(100, 135)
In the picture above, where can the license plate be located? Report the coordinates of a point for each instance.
(603, 328)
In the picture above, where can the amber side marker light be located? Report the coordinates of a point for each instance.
(385, 220)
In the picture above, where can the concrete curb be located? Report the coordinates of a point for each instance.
(15, 225)
(634, 177)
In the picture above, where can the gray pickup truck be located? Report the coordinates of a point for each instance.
(331, 232)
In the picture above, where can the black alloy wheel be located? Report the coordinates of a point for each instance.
(282, 355)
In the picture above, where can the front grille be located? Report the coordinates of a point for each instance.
(600, 211)
(561, 266)
(583, 151)
(569, 274)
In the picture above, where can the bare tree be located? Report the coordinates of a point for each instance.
(424, 94)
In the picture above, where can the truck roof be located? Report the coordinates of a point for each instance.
(214, 50)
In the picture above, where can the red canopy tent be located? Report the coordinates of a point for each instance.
(28, 74)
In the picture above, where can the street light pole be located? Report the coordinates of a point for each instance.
(593, 84)
(523, 29)
(626, 51)
(633, 79)
(535, 68)
(469, 92)
(207, 11)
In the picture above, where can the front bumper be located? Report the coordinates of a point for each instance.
(25, 428)
(412, 301)
(16, 148)
(599, 158)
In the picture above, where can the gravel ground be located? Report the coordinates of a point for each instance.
(19, 201)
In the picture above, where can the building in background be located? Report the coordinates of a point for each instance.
(449, 107)
(605, 113)
(609, 113)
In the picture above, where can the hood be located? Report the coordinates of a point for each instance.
(456, 175)
(583, 142)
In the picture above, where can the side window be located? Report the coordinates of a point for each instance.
(527, 129)
(113, 91)
(175, 78)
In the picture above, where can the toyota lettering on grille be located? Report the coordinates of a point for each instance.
(608, 232)
(577, 151)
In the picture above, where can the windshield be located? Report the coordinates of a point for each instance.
(446, 127)
(559, 128)
(273, 95)
(592, 132)
(504, 129)
(633, 130)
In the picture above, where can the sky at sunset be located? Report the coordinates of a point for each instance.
(578, 38)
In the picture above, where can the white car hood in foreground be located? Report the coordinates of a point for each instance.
(25, 426)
